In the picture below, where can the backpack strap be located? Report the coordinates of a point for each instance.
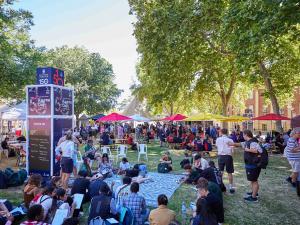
(42, 200)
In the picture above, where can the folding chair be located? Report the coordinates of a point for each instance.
(122, 151)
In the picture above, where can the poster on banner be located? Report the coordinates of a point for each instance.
(39, 146)
(63, 101)
(39, 100)
(60, 127)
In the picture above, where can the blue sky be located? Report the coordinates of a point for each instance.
(102, 26)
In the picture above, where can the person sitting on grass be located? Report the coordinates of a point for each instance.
(137, 204)
(200, 163)
(5, 217)
(105, 166)
(203, 214)
(32, 188)
(103, 205)
(161, 215)
(45, 199)
(81, 185)
(35, 216)
(213, 201)
(192, 175)
(167, 160)
(124, 165)
(185, 161)
(213, 174)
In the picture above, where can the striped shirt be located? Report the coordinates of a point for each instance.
(291, 145)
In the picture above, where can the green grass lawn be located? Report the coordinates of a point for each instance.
(278, 203)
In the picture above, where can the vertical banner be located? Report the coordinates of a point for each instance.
(60, 126)
(39, 100)
(63, 101)
(39, 146)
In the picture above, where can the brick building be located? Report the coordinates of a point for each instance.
(256, 105)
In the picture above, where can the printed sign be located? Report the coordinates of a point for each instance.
(49, 75)
(39, 146)
(39, 100)
(63, 101)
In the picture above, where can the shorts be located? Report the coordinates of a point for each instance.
(66, 164)
(226, 161)
(295, 164)
(253, 173)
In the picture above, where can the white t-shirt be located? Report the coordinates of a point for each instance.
(46, 202)
(222, 145)
(124, 166)
(67, 147)
(204, 164)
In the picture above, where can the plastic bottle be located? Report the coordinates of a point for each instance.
(183, 212)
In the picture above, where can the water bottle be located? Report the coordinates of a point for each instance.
(183, 212)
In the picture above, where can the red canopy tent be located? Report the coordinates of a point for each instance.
(113, 117)
(271, 116)
(175, 117)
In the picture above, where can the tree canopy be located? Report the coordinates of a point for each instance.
(90, 75)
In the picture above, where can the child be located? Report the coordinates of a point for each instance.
(124, 165)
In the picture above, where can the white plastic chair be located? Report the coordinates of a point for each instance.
(142, 150)
(106, 150)
(122, 151)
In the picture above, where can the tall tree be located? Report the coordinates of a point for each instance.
(90, 75)
(264, 36)
(182, 49)
(18, 55)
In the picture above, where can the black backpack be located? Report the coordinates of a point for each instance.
(264, 158)
(3, 180)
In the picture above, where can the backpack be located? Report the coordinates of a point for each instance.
(261, 159)
(163, 168)
(3, 180)
(126, 216)
(17, 178)
(264, 158)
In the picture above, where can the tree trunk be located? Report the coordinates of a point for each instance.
(269, 87)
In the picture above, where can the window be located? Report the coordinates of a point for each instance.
(264, 127)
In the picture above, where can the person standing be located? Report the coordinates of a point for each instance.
(67, 149)
(162, 215)
(251, 151)
(225, 156)
(292, 153)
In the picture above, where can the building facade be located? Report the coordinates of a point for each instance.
(256, 105)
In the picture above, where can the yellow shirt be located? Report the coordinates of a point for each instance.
(161, 216)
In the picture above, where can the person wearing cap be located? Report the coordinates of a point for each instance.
(292, 153)
(161, 215)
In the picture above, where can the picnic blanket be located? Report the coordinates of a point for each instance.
(163, 183)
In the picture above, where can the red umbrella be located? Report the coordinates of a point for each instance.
(175, 117)
(271, 116)
(113, 117)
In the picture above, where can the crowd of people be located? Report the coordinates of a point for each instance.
(43, 198)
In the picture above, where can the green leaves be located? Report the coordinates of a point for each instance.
(90, 75)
